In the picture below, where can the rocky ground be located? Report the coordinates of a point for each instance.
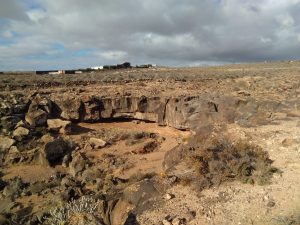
(216, 145)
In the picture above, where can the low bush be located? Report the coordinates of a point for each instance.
(226, 161)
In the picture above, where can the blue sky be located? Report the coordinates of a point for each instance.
(53, 34)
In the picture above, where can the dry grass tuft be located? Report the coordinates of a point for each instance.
(224, 161)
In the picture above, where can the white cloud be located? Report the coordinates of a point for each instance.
(285, 21)
(36, 15)
(265, 40)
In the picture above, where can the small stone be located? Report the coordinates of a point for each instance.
(271, 204)
(166, 222)
(58, 125)
(169, 196)
(36, 118)
(8, 123)
(97, 143)
(20, 133)
(172, 179)
(13, 150)
(78, 164)
(66, 160)
(178, 221)
(47, 138)
(20, 124)
(6, 143)
(137, 121)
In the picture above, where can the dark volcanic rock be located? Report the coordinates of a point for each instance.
(55, 150)
(8, 123)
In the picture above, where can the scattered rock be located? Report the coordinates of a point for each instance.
(169, 196)
(171, 180)
(36, 118)
(179, 221)
(6, 143)
(166, 222)
(47, 138)
(58, 125)
(78, 164)
(91, 175)
(20, 133)
(8, 123)
(139, 193)
(66, 160)
(20, 124)
(271, 204)
(97, 143)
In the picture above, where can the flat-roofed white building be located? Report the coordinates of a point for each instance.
(97, 68)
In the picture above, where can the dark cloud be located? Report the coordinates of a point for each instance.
(163, 32)
(11, 9)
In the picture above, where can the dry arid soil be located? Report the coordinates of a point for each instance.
(170, 146)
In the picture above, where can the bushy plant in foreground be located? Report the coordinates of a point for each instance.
(61, 215)
(225, 160)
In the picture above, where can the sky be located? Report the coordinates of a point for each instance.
(65, 34)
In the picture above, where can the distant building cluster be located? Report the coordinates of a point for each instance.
(125, 65)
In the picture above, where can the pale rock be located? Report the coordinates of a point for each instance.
(97, 143)
(58, 125)
(20, 132)
(36, 118)
(169, 196)
(6, 143)
(166, 222)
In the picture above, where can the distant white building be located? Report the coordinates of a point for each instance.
(97, 68)
(57, 72)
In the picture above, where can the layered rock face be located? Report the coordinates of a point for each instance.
(181, 112)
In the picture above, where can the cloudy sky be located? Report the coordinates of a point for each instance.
(44, 34)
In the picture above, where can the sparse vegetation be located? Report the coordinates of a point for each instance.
(85, 206)
(224, 160)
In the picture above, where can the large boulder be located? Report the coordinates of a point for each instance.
(55, 150)
(69, 107)
(58, 125)
(40, 102)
